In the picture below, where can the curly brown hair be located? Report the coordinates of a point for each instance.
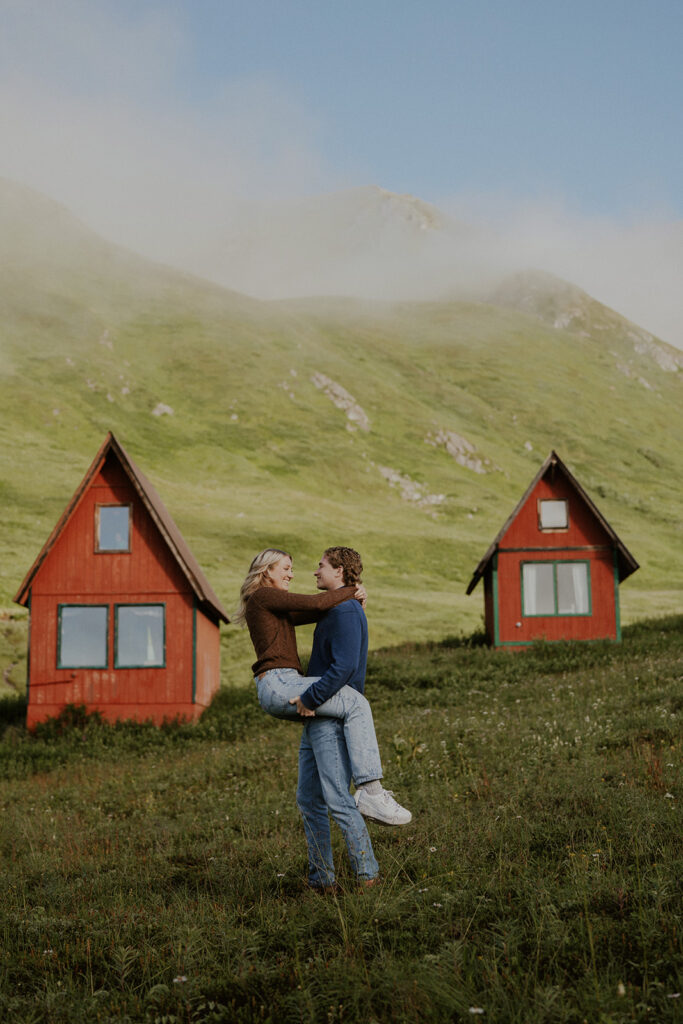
(349, 560)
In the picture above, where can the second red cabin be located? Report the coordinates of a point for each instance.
(553, 572)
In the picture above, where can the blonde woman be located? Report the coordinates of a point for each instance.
(271, 614)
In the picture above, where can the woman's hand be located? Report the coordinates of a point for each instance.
(301, 708)
(361, 595)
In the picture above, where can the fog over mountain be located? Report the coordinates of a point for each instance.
(185, 134)
(370, 243)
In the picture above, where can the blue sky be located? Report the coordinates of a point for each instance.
(579, 102)
(144, 114)
(582, 101)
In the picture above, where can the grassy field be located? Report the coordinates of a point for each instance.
(255, 454)
(158, 875)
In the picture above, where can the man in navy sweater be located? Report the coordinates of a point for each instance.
(338, 658)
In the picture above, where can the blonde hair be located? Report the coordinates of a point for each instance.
(258, 569)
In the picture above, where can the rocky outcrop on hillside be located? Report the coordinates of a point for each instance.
(462, 450)
(343, 400)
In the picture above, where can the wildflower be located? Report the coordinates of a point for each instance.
(422, 890)
(621, 989)
(437, 904)
(476, 1009)
(180, 979)
(432, 849)
(280, 874)
(669, 796)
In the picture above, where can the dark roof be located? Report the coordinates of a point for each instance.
(184, 558)
(625, 561)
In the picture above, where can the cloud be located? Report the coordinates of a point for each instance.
(632, 266)
(96, 111)
(93, 113)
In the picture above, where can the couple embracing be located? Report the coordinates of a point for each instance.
(338, 741)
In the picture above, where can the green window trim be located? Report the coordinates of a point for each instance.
(60, 610)
(557, 614)
(134, 665)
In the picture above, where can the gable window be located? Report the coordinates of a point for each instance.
(555, 588)
(82, 636)
(112, 527)
(140, 636)
(553, 514)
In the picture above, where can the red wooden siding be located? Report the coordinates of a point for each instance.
(208, 664)
(514, 628)
(74, 568)
(583, 529)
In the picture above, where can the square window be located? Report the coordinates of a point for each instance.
(82, 636)
(112, 527)
(553, 514)
(140, 636)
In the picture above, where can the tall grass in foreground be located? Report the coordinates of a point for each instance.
(158, 875)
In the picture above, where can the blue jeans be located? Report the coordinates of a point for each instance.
(274, 690)
(324, 777)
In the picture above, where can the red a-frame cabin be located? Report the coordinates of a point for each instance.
(122, 618)
(553, 572)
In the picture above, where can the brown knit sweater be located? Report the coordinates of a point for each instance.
(271, 615)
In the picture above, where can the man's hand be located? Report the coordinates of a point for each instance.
(301, 708)
(361, 595)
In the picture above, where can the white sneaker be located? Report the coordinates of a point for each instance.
(381, 807)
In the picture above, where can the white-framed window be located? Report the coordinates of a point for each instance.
(112, 527)
(556, 588)
(82, 635)
(553, 514)
(140, 636)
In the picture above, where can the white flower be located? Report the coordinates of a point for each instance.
(669, 796)
(437, 904)
(432, 849)
(180, 979)
(476, 1009)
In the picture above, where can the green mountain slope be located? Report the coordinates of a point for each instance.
(408, 431)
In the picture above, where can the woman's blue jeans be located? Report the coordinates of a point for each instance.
(274, 690)
(324, 777)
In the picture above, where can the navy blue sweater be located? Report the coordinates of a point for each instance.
(339, 655)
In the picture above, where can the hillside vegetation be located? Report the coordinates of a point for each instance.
(158, 875)
(408, 431)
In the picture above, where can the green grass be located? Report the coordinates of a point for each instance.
(93, 338)
(157, 875)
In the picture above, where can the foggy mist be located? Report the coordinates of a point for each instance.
(236, 187)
